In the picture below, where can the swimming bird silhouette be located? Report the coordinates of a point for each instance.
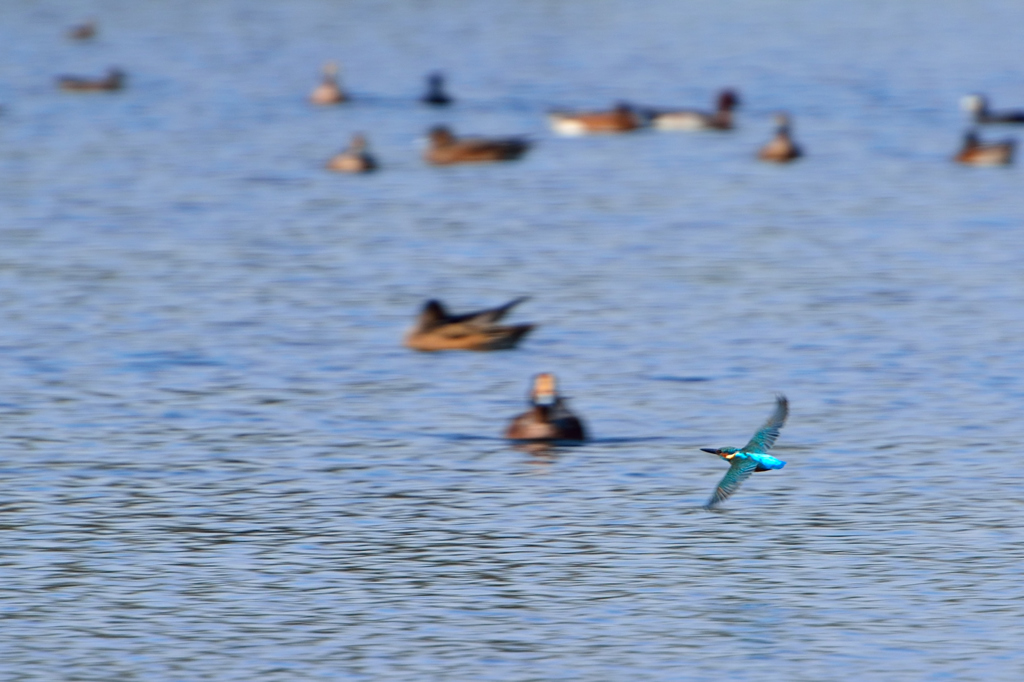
(751, 457)
(437, 329)
(548, 418)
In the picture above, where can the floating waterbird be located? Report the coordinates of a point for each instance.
(437, 329)
(83, 31)
(621, 118)
(751, 457)
(329, 91)
(355, 159)
(976, 153)
(548, 417)
(720, 119)
(781, 148)
(436, 96)
(446, 149)
(978, 106)
(114, 80)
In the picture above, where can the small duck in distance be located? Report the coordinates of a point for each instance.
(977, 105)
(436, 329)
(435, 95)
(977, 153)
(114, 80)
(83, 31)
(329, 91)
(548, 418)
(751, 457)
(355, 159)
(720, 119)
(622, 118)
(446, 149)
(781, 148)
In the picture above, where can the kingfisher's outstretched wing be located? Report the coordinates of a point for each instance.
(738, 472)
(764, 439)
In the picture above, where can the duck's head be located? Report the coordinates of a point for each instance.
(974, 104)
(441, 136)
(358, 143)
(724, 453)
(545, 390)
(728, 100)
(971, 139)
(432, 315)
(782, 121)
(435, 81)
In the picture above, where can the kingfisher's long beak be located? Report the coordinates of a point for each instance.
(713, 451)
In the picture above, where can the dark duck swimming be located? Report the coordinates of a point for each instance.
(549, 418)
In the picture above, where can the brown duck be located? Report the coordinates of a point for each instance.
(976, 153)
(548, 417)
(355, 159)
(781, 148)
(446, 149)
(620, 119)
(114, 80)
(83, 31)
(437, 329)
(329, 91)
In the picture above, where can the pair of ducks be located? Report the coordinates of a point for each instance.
(444, 149)
(624, 118)
(977, 153)
(550, 419)
(330, 91)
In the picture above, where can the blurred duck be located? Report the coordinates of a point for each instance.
(548, 417)
(114, 80)
(977, 153)
(355, 159)
(437, 329)
(978, 106)
(435, 95)
(329, 91)
(720, 119)
(83, 31)
(621, 119)
(447, 149)
(781, 148)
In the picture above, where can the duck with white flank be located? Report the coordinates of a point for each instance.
(720, 119)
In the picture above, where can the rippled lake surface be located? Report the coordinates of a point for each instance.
(218, 463)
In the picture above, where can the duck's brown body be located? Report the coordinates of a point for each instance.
(976, 153)
(355, 159)
(83, 31)
(446, 149)
(548, 418)
(620, 119)
(436, 329)
(329, 91)
(781, 148)
(114, 80)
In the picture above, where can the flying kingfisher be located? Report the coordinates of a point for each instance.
(751, 457)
